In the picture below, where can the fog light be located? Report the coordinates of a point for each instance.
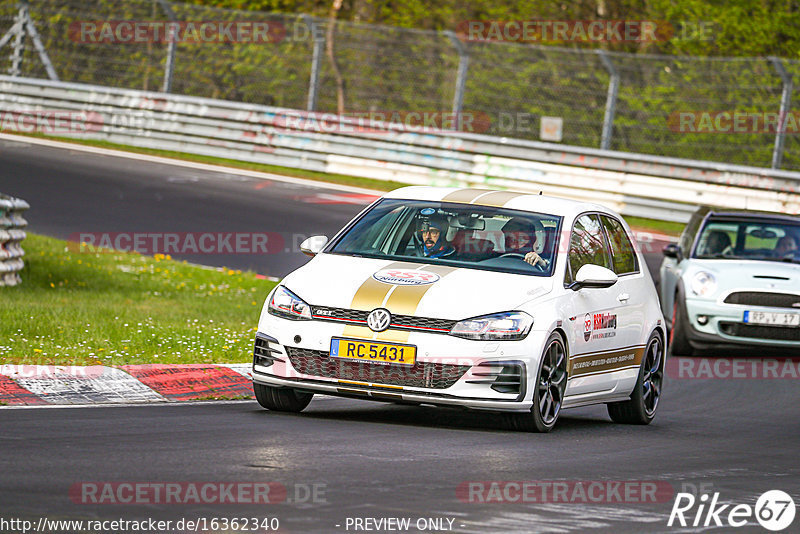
(702, 320)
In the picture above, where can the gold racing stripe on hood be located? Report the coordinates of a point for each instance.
(404, 300)
(497, 199)
(464, 196)
(400, 300)
(371, 295)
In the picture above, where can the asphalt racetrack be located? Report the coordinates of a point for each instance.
(345, 465)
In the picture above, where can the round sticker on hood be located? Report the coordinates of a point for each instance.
(400, 277)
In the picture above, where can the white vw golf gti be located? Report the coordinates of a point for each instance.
(491, 300)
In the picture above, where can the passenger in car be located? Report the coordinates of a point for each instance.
(522, 237)
(785, 245)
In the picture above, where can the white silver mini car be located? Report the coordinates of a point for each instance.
(483, 299)
(733, 279)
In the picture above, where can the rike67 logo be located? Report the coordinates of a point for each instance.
(774, 510)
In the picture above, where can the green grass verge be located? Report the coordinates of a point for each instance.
(115, 308)
(664, 227)
(653, 225)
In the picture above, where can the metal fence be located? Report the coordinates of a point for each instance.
(11, 236)
(644, 186)
(618, 101)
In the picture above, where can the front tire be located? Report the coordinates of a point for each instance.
(678, 343)
(548, 395)
(281, 399)
(642, 406)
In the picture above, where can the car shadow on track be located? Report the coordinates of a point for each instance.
(431, 417)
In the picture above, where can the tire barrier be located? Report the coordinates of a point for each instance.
(11, 236)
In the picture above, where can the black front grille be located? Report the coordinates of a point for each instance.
(421, 374)
(760, 298)
(777, 333)
(504, 377)
(263, 354)
(399, 322)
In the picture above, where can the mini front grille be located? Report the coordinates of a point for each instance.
(399, 322)
(762, 298)
(777, 333)
(421, 374)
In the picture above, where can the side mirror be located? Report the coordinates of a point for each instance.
(313, 245)
(673, 251)
(593, 276)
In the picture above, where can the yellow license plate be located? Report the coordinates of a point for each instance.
(368, 351)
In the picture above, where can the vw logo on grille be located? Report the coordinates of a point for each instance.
(379, 319)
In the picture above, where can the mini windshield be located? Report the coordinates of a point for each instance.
(749, 239)
(459, 235)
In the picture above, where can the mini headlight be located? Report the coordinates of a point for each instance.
(286, 304)
(498, 326)
(703, 284)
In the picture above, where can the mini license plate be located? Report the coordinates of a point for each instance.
(772, 318)
(373, 352)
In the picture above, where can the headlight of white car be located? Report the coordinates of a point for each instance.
(286, 304)
(703, 284)
(498, 326)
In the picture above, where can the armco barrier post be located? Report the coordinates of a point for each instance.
(11, 236)
(611, 101)
(461, 76)
(316, 62)
(169, 68)
(786, 96)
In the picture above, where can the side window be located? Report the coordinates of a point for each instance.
(623, 257)
(687, 237)
(586, 245)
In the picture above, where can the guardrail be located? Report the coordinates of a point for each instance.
(11, 236)
(633, 184)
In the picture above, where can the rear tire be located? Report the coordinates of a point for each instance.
(281, 399)
(548, 393)
(642, 406)
(678, 343)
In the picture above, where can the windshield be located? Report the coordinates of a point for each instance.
(460, 235)
(749, 240)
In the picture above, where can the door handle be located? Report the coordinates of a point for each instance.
(623, 297)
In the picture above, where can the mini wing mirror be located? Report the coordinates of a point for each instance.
(313, 245)
(673, 251)
(593, 276)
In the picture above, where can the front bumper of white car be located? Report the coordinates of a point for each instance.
(721, 321)
(489, 375)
